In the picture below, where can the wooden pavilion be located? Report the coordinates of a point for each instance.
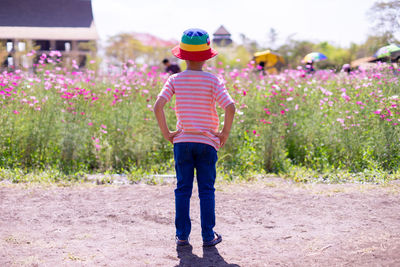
(47, 25)
(222, 37)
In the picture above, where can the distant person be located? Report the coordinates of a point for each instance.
(261, 67)
(396, 66)
(310, 67)
(346, 68)
(171, 68)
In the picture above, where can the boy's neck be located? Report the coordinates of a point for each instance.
(194, 65)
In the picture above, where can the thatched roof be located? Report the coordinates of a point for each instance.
(154, 41)
(221, 31)
(361, 61)
(47, 19)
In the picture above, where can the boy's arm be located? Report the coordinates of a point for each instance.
(229, 115)
(162, 123)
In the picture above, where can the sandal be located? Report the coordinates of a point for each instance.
(216, 240)
(181, 242)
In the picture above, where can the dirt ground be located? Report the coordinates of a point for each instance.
(265, 223)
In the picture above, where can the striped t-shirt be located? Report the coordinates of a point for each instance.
(197, 93)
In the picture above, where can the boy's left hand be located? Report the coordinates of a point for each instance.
(171, 135)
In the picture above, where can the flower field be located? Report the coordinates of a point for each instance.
(325, 127)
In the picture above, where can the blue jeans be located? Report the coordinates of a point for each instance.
(202, 157)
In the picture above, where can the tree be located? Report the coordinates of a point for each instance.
(125, 46)
(337, 56)
(244, 39)
(372, 44)
(293, 51)
(236, 56)
(272, 37)
(251, 45)
(386, 18)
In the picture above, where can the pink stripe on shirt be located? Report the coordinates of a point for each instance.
(197, 93)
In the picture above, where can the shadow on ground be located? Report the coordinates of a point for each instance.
(211, 257)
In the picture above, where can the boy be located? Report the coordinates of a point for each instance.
(197, 139)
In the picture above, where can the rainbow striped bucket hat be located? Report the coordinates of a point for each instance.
(195, 46)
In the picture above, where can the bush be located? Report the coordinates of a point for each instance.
(75, 121)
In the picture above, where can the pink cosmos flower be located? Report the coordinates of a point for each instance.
(340, 120)
(33, 52)
(346, 97)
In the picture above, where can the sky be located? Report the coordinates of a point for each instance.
(339, 22)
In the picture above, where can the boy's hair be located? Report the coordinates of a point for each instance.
(165, 61)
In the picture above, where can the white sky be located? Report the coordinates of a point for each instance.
(338, 21)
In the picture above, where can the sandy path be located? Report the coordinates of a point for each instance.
(263, 224)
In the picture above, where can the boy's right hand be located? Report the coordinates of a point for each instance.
(223, 137)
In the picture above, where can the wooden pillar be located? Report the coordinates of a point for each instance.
(75, 50)
(52, 44)
(67, 54)
(15, 53)
(74, 45)
(29, 47)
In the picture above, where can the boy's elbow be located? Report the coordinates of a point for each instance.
(159, 105)
(231, 108)
(156, 106)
